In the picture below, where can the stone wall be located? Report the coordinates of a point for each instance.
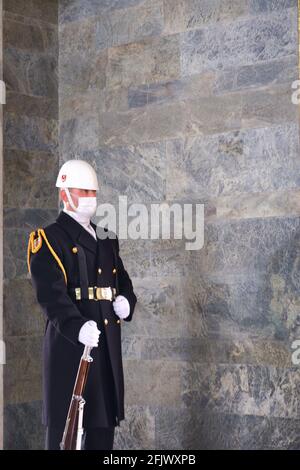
(30, 51)
(190, 101)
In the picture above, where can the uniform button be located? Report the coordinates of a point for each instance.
(118, 321)
(99, 270)
(74, 249)
(105, 321)
(114, 270)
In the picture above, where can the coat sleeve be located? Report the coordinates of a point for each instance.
(125, 284)
(51, 292)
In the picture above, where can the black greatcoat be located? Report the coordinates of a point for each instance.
(65, 316)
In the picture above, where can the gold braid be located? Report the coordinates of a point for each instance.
(33, 248)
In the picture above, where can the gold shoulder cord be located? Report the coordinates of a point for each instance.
(34, 244)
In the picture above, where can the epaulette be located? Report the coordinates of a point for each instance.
(34, 245)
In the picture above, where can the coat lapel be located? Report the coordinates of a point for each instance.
(77, 232)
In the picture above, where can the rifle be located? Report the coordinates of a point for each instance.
(73, 431)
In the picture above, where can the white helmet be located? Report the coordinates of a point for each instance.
(77, 174)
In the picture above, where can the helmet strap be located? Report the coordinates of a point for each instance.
(70, 199)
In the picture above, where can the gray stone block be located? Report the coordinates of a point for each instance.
(15, 243)
(169, 258)
(80, 104)
(77, 39)
(129, 24)
(29, 219)
(264, 108)
(137, 172)
(23, 428)
(257, 205)
(245, 41)
(30, 133)
(256, 75)
(22, 314)
(45, 10)
(30, 73)
(31, 36)
(139, 125)
(35, 106)
(34, 188)
(160, 309)
(225, 164)
(240, 246)
(137, 432)
(82, 73)
(152, 382)
(78, 134)
(77, 9)
(149, 60)
(216, 431)
(242, 389)
(188, 88)
(247, 109)
(131, 347)
(182, 15)
(23, 369)
(262, 6)
(210, 349)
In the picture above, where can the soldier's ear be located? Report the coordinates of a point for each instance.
(60, 198)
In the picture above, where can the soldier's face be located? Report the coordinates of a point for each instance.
(75, 194)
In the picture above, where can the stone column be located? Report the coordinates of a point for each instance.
(30, 54)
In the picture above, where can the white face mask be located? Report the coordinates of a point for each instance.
(86, 205)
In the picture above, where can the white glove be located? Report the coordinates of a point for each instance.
(89, 334)
(121, 306)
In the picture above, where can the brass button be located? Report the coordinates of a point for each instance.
(105, 321)
(118, 321)
(99, 270)
(114, 270)
(74, 249)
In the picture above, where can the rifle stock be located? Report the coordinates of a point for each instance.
(73, 431)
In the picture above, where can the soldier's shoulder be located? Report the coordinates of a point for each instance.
(44, 242)
(41, 232)
(44, 235)
(54, 231)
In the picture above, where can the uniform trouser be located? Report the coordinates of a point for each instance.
(93, 438)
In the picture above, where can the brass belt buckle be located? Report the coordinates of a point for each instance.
(102, 293)
(106, 293)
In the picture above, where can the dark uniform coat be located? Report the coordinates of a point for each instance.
(104, 392)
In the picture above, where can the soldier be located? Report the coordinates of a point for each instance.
(84, 290)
